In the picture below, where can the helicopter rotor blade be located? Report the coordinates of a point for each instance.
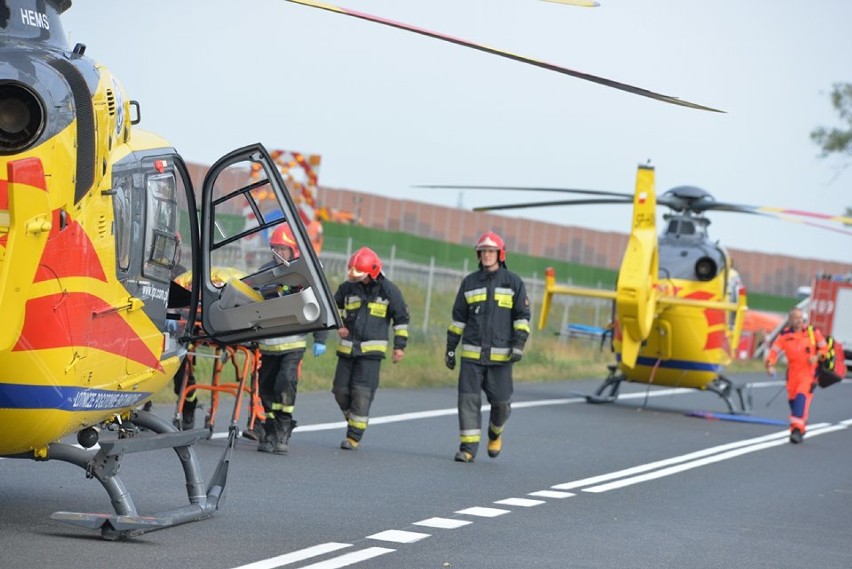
(776, 212)
(765, 212)
(494, 51)
(527, 189)
(556, 203)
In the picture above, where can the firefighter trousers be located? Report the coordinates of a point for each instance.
(355, 384)
(278, 381)
(496, 382)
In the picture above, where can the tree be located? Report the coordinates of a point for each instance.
(834, 141)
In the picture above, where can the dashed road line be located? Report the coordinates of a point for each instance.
(595, 484)
(483, 512)
(523, 502)
(398, 536)
(443, 523)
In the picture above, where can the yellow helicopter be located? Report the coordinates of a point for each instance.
(91, 214)
(678, 303)
(94, 216)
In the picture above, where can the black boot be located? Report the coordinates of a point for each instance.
(284, 428)
(271, 437)
(187, 418)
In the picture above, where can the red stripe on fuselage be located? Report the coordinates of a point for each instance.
(27, 171)
(716, 339)
(4, 195)
(714, 317)
(67, 320)
(68, 253)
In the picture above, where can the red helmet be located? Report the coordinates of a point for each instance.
(363, 262)
(491, 240)
(282, 236)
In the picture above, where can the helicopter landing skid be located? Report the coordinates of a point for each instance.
(104, 465)
(612, 382)
(736, 397)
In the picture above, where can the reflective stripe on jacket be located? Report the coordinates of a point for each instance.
(292, 343)
(491, 315)
(367, 312)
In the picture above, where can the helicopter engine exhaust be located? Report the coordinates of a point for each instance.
(22, 118)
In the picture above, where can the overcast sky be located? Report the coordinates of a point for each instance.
(387, 109)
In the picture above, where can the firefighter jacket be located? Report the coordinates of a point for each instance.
(491, 316)
(287, 344)
(367, 310)
(798, 347)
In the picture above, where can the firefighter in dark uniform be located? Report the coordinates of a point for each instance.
(491, 319)
(369, 303)
(281, 361)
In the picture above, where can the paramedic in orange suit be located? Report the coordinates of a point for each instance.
(803, 346)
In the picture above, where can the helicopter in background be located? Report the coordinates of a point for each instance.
(678, 303)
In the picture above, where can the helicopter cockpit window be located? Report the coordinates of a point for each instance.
(161, 232)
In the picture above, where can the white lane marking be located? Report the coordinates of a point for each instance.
(484, 512)
(515, 405)
(523, 502)
(398, 536)
(552, 494)
(443, 523)
(847, 422)
(704, 461)
(350, 558)
(666, 462)
(295, 556)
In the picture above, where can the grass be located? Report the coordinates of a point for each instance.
(547, 357)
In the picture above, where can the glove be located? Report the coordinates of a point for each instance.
(516, 356)
(450, 359)
(319, 349)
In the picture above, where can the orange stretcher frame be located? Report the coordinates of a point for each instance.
(246, 375)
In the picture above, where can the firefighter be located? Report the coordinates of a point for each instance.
(281, 360)
(369, 303)
(803, 346)
(491, 319)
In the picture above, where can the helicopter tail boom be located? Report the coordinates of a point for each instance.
(635, 295)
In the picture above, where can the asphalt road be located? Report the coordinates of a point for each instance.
(632, 484)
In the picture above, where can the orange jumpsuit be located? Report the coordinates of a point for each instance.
(799, 347)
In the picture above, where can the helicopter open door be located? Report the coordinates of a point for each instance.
(247, 293)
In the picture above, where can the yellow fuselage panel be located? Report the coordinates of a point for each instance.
(61, 392)
(72, 355)
(688, 346)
